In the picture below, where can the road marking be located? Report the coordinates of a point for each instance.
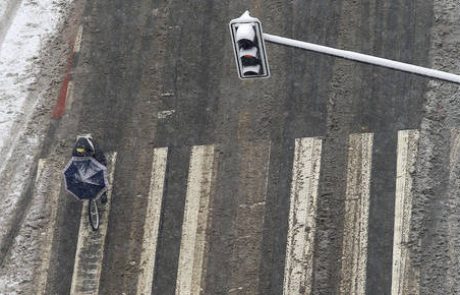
(59, 107)
(69, 97)
(194, 227)
(250, 216)
(40, 165)
(354, 254)
(152, 221)
(406, 156)
(52, 177)
(165, 114)
(90, 246)
(301, 234)
(77, 43)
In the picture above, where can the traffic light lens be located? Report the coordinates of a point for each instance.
(246, 44)
(252, 70)
(250, 73)
(249, 60)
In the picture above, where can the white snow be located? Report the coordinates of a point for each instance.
(6, 9)
(27, 26)
(3, 6)
(29, 29)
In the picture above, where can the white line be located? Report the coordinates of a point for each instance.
(77, 44)
(90, 246)
(47, 174)
(354, 254)
(41, 164)
(69, 96)
(407, 152)
(194, 226)
(152, 221)
(302, 224)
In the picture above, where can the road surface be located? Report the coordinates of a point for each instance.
(311, 182)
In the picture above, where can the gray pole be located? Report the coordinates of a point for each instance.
(365, 58)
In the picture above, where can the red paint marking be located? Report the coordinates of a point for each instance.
(59, 108)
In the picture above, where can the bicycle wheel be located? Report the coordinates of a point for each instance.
(93, 212)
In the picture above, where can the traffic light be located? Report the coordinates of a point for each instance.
(249, 47)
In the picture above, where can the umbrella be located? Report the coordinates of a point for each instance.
(85, 178)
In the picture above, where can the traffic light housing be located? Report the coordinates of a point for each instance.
(249, 47)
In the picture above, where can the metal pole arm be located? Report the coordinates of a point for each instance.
(364, 58)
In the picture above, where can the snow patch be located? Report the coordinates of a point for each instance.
(29, 71)
(32, 26)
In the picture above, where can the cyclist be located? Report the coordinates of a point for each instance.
(85, 146)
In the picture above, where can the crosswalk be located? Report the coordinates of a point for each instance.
(196, 215)
(402, 272)
(302, 224)
(245, 262)
(44, 171)
(152, 221)
(90, 246)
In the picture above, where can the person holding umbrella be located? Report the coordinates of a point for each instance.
(85, 176)
(85, 146)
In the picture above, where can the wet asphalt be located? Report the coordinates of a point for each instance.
(139, 58)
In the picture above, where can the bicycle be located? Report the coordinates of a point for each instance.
(94, 215)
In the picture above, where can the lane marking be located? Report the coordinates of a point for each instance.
(194, 227)
(406, 157)
(90, 246)
(302, 217)
(77, 43)
(45, 177)
(354, 252)
(61, 105)
(40, 165)
(59, 108)
(152, 221)
(69, 97)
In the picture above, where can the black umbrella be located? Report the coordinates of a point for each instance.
(85, 178)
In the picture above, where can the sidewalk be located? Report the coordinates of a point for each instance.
(32, 59)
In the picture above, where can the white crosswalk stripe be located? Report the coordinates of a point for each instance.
(354, 251)
(406, 156)
(90, 246)
(152, 221)
(46, 172)
(195, 223)
(302, 217)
